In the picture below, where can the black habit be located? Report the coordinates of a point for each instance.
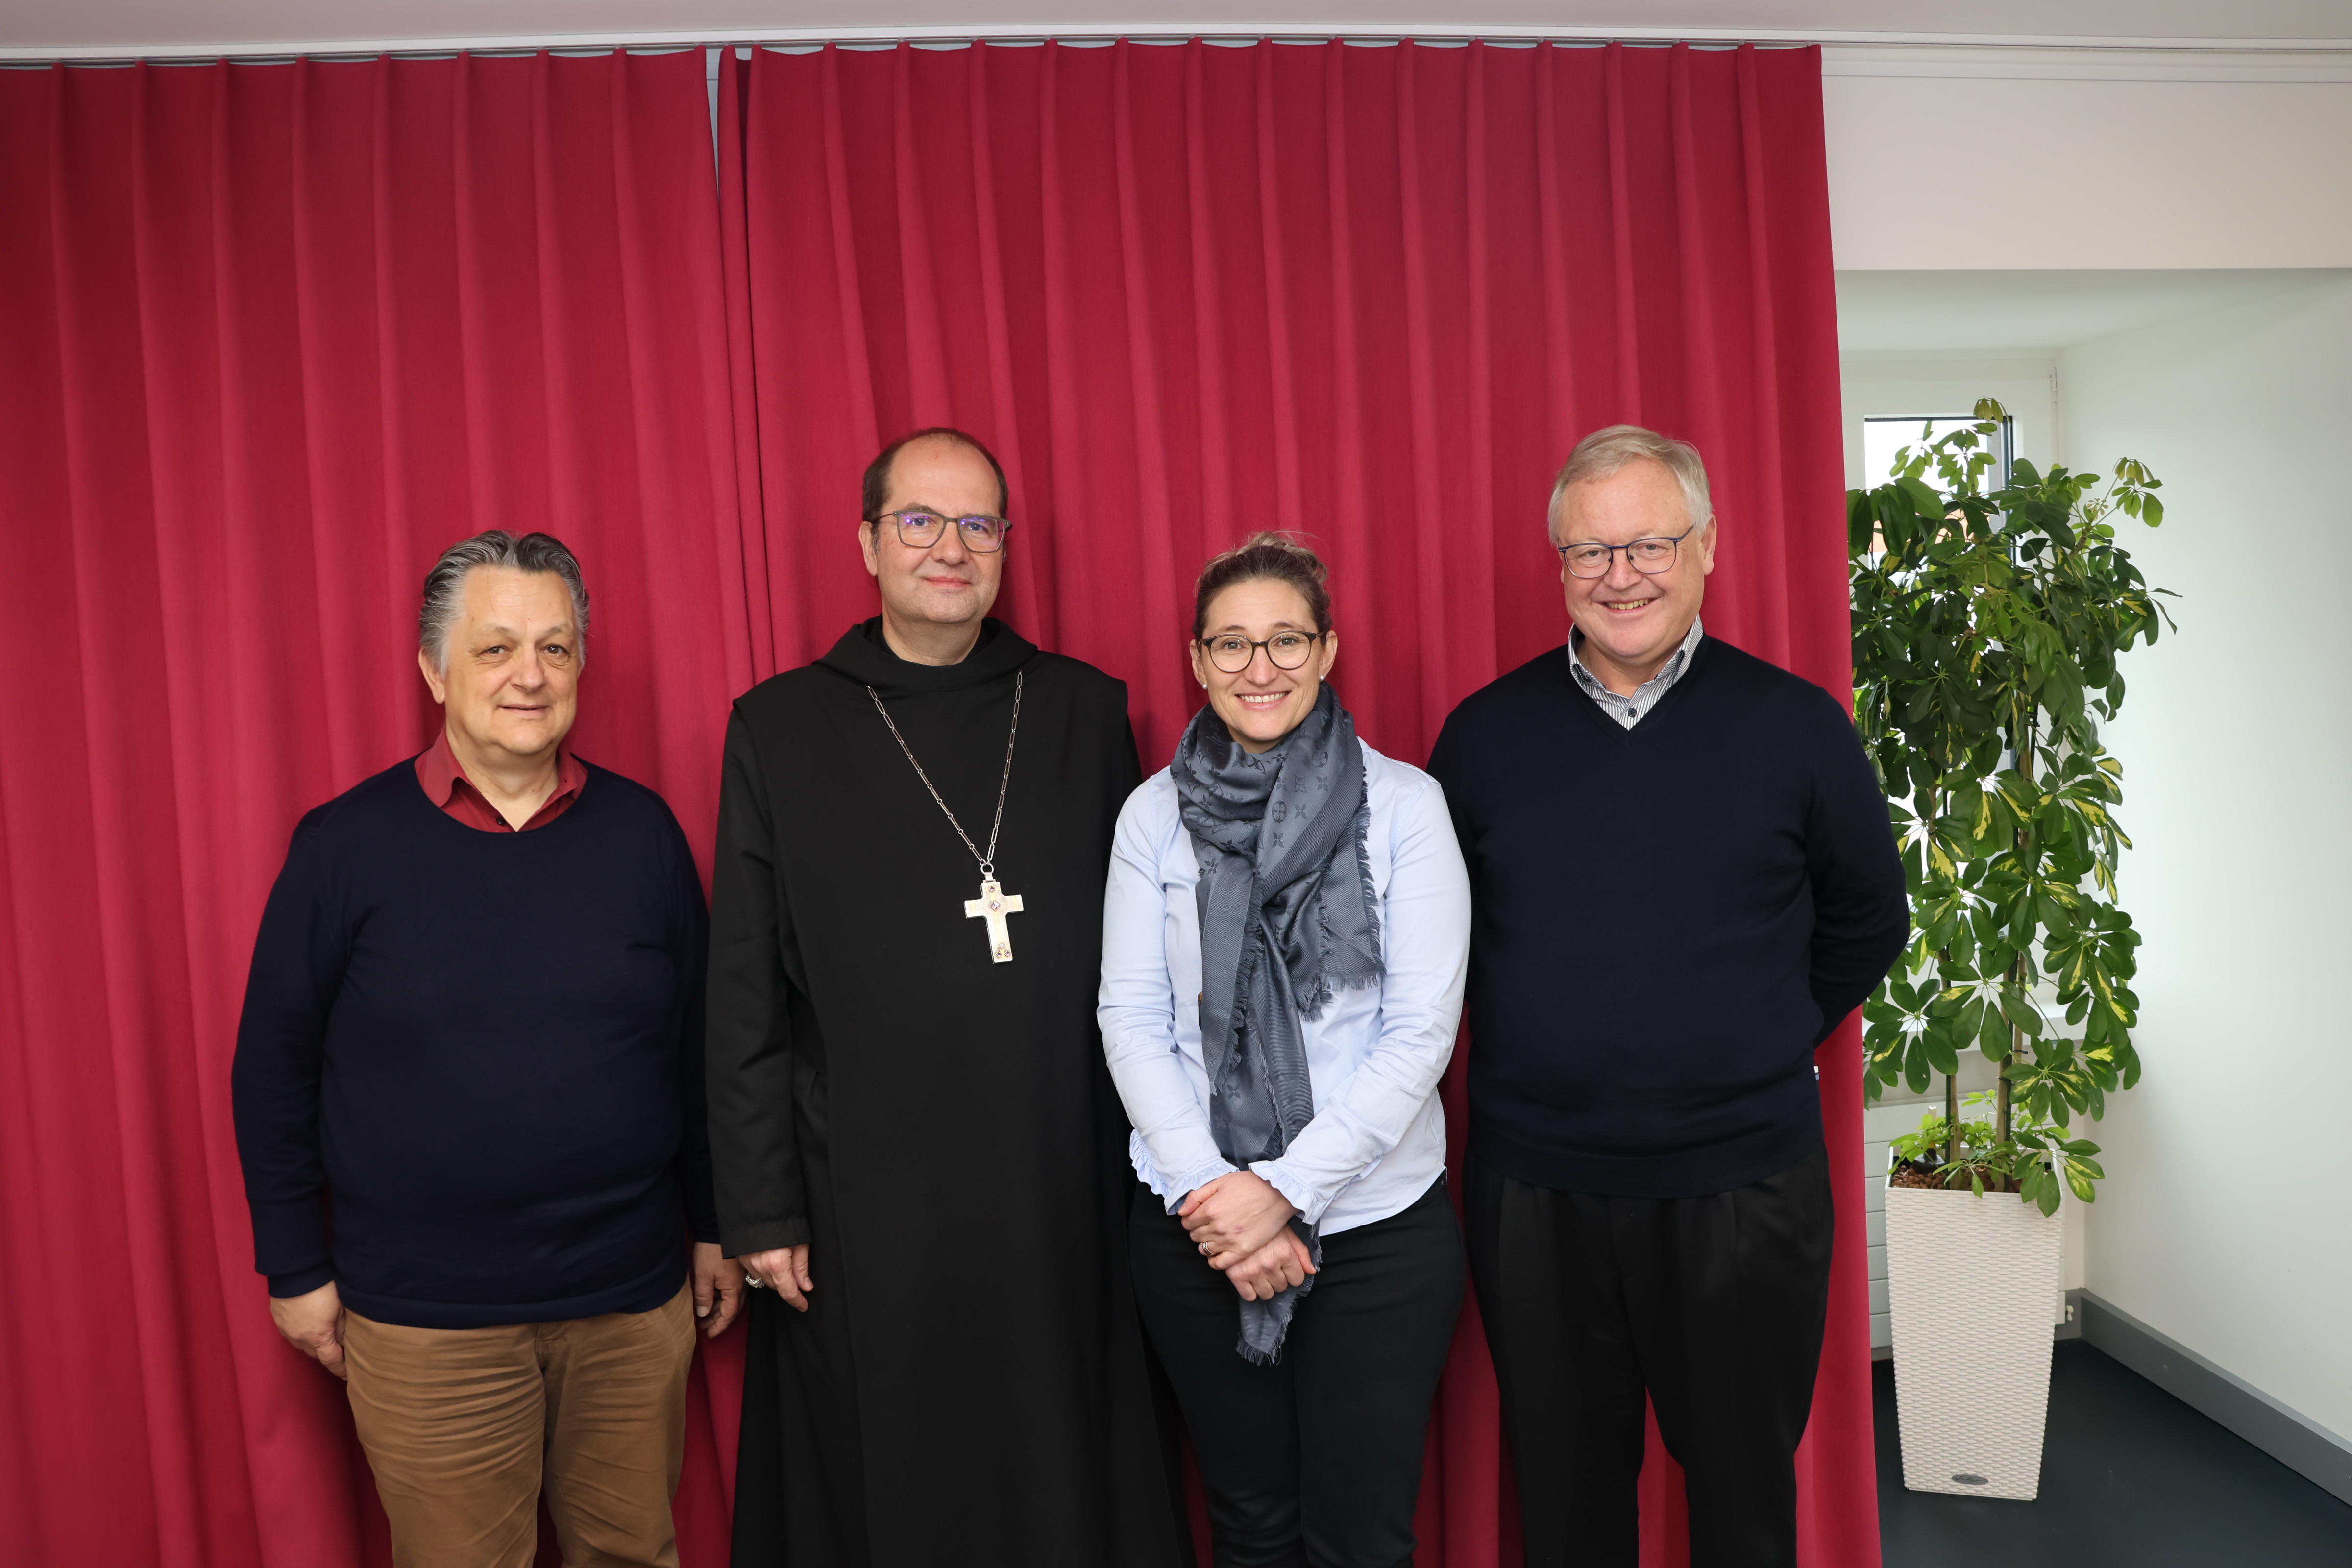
(968, 1385)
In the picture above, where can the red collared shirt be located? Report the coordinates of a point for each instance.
(446, 787)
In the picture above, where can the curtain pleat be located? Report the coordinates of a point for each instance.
(275, 335)
(1370, 294)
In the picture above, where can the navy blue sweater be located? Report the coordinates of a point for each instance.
(1667, 920)
(468, 1078)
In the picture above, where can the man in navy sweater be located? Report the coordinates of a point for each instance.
(468, 1097)
(1682, 878)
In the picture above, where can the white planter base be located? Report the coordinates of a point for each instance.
(1971, 1285)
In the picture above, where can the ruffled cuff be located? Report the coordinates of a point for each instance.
(1171, 1190)
(1308, 1199)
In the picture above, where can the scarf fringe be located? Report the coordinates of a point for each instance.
(1364, 877)
(1318, 994)
(1237, 1058)
(1280, 1307)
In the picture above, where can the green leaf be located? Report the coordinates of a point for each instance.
(1917, 1072)
(1861, 522)
(1939, 1052)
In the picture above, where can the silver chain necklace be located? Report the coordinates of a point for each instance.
(993, 903)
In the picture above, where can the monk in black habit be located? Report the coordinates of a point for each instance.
(917, 1150)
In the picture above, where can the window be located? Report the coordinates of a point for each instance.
(1884, 435)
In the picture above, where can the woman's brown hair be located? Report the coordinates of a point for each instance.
(1264, 558)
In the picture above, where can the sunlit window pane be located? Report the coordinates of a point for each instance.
(1881, 438)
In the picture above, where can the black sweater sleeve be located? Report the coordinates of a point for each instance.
(755, 1164)
(1443, 766)
(1127, 764)
(299, 956)
(1861, 914)
(693, 960)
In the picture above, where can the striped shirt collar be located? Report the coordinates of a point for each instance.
(1629, 711)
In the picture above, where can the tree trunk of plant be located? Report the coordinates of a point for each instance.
(2001, 1117)
(2019, 973)
(1931, 801)
(1952, 1117)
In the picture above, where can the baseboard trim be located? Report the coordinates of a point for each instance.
(2291, 1438)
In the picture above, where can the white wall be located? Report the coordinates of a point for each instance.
(2105, 174)
(2225, 1222)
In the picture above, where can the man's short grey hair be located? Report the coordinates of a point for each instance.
(444, 586)
(1609, 449)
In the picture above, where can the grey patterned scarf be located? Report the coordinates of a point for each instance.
(1266, 828)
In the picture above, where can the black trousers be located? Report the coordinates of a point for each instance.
(1313, 1462)
(1713, 1305)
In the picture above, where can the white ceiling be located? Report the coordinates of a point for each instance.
(131, 27)
(1923, 310)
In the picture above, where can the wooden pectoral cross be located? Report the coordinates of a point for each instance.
(993, 905)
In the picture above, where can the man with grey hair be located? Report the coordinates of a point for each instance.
(468, 1100)
(1682, 880)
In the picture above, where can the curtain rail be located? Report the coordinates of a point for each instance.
(276, 51)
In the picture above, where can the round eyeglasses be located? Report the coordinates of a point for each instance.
(920, 530)
(1650, 557)
(1232, 652)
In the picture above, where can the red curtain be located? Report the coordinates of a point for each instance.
(272, 336)
(1371, 294)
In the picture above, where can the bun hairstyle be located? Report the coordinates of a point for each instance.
(1264, 557)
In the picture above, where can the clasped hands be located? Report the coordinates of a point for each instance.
(1241, 1227)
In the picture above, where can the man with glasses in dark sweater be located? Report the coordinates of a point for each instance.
(1682, 878)
(468, 1096)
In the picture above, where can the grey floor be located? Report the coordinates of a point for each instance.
(2131, 1478)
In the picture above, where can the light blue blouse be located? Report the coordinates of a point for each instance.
(1377, 1138)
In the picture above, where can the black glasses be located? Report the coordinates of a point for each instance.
(1232, 652)
(1649, 556)
(920, 530)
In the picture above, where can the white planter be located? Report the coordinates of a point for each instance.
(1972, 1288)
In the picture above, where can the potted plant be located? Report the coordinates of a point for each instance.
(1991, 602)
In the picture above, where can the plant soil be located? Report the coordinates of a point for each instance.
(1907, 1174)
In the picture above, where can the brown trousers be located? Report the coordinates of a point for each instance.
(463, 1425)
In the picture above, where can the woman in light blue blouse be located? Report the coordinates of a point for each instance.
(1283, 943)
